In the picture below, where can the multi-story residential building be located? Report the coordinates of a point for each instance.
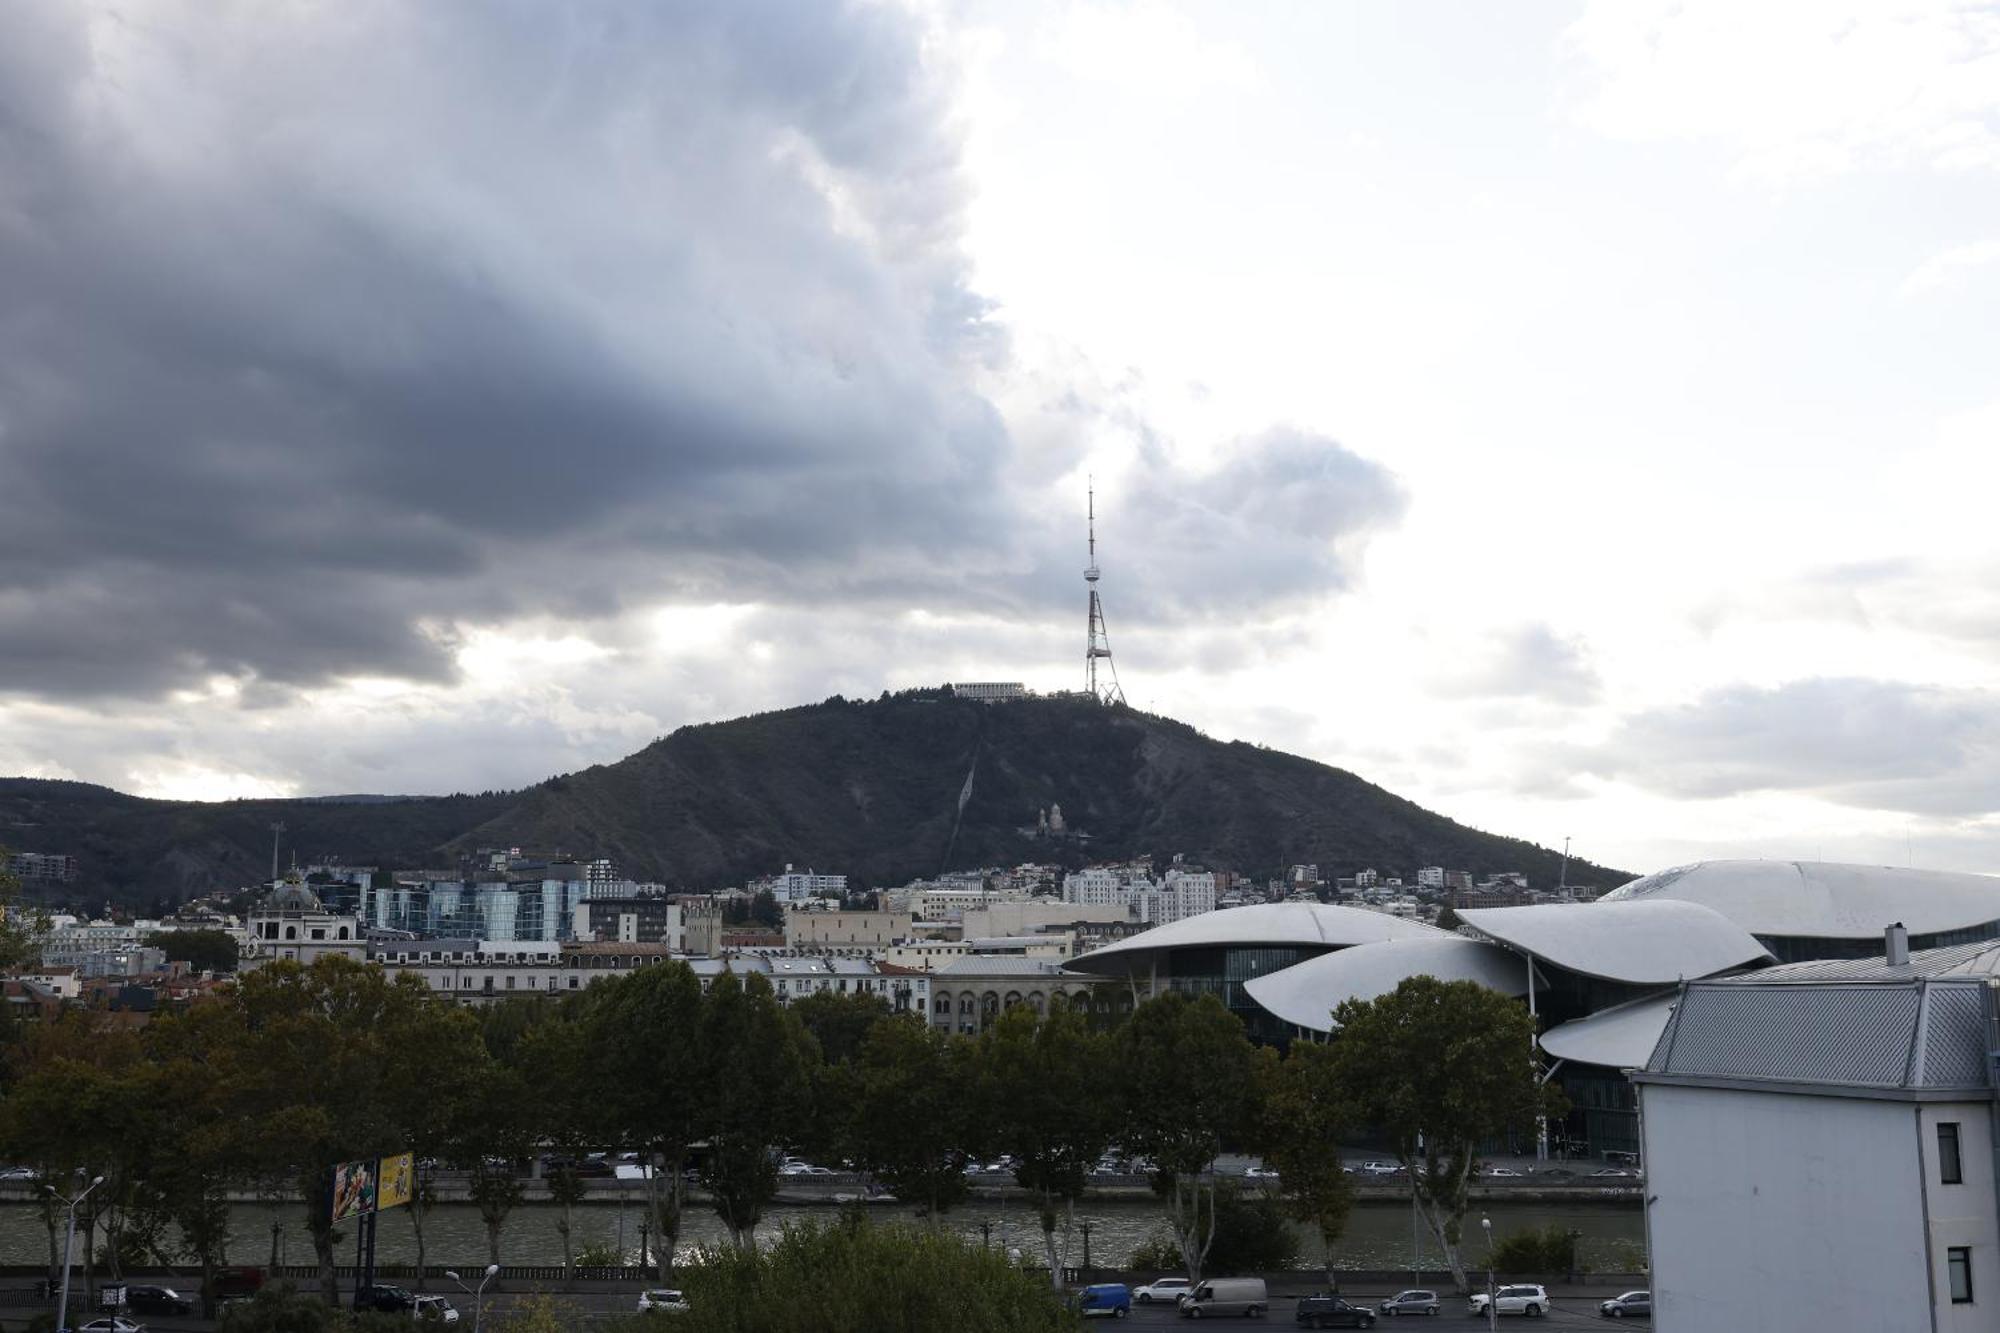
(40, 867)
(1430, 877)
(794, 886)
(637, 918)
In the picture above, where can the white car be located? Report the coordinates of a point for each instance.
(1501, 1173)
(435, 1310)
(1379, 1169)
(661, 1298)
(1613, 1173)
(1165, 1290)
(1526, 1298)
(111, 1325)
(1260, 1173)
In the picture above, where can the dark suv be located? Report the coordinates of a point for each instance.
(157, 1300)
(1327, 1310)
(387, 1299)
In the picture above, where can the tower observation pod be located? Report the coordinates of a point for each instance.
(1097, 643)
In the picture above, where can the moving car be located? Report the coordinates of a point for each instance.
(1414, 1301)
(157, 1300)
(1634, 1304)
(111, 1325)
(1528, 1298)
(15, 1173)
(383, 1297)
(1105, 1298)
(1168, 1289)
(1500, 1172)
(1260, 1173)
(661, 1298)
(1379, 1168)
(435, 1310)
(1326, 1310)
(1613, 1173)
(1227, 1295)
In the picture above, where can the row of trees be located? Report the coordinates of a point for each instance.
(292, 1070)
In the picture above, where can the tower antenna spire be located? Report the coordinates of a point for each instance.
(1097, 643)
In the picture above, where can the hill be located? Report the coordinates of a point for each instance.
(885, 790)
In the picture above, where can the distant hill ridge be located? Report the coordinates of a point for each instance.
(872, 789)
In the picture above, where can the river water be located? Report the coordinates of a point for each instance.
(1379, 1234)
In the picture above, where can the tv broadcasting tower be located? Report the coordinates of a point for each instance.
(1097, 643)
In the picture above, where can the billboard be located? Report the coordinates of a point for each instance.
(353, 1189)
(397, 1181)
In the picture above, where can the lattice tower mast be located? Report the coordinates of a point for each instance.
(1097, 643)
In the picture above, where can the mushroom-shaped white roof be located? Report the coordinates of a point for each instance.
(1306, 994)
(1824, 900)
(1642, 943)
(1314, 924)
(1621, 1038)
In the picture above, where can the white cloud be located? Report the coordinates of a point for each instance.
(1950, 267)
(1801, 89)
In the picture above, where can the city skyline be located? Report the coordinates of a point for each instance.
(1577, 420)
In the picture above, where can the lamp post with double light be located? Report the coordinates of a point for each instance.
(1492, 1312)
(479, 1296)
(69, 1244)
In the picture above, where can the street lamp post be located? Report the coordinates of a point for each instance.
(69, 1244)
(1492, 1314)
(479, 1296)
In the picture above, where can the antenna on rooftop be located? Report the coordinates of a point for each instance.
(277, 831)
(1097, 642)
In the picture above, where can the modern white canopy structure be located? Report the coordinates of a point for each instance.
(1803, 909)
(1306, 994)
(1317, 926)
(1636, 943)
(1622, 1037)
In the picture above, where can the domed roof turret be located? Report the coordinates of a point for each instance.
(292, 896)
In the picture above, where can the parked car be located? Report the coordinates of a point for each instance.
(1633, 1304)
(1501, 1173)
(1105, 1298)
(1613, 1173)
(1165, 1289)
(1327, 1310)
(157, 1300)
(583, 1168)
(236, 1281)
(1380, 1168)
(1414, 1301)
(18, 1173)
(661, 1298)
(111, 1324)
(1260, 1173)
(1227, 1295)
(434, 1310)
(1526, 1298)
(383, 1297)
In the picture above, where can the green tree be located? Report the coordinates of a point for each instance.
(564, 1109)
(435, 1110)
(850, 1276)
(1042, 1094)
(499, 1134)
(20, 928)
(202, 950)
(840, 1023)
(645, 1040)
(1187, 1073)
(911, 1112)
(757, 1077)
(1441, 1067)
(326, 1048)
(1305, 1113)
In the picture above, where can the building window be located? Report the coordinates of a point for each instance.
(1959, 1261)
(1950, 1169)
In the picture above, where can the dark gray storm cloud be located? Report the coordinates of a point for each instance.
(1872, 744)
(322, 330)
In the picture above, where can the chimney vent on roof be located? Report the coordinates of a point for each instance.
(1896, 945)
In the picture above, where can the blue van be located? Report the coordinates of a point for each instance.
(1112, 1298)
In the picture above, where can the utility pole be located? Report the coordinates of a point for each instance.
(277, 831)
(69, 1244)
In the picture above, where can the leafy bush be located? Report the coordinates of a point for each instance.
(1549, 1249)
(279, 1308)
(599, 1254)
(1252, 1235)
(859, 1277)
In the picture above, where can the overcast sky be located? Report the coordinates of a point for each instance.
(1583, 419)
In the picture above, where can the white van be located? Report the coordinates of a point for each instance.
(1226, 1295)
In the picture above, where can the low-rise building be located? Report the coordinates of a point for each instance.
(969, 994)
(844, 932)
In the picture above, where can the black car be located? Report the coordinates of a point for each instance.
(157, 1300)
(387, 1299)
(1327, 1310)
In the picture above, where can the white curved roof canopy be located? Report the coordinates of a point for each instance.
(1821, 899)
(1279, 924)
(1621, 1038)
(1641, 943)
(1306, 994)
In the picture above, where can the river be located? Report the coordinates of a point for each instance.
(1378, 1232)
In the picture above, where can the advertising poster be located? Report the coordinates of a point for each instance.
(397, 1182)
(353, 1189)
